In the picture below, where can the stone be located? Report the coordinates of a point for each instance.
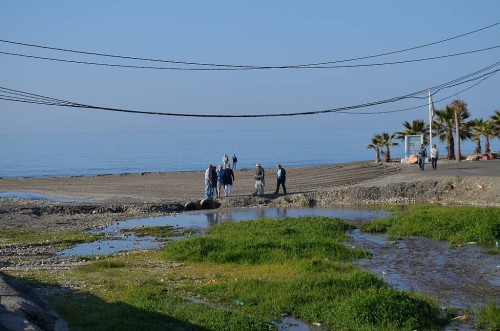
(193, 205)
(207, 204)
(22, 308)
(413, 159)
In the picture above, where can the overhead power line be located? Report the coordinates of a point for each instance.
(244, 67)
(26, 97)
(254, 68)
(484, 77)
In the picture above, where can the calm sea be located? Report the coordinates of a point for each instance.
(61, 155)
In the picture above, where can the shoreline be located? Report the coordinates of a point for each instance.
(397, 160)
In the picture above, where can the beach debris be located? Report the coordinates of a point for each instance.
(239, 302)
(472, 243)
(461, 318)
(472, 158)
(316, 323)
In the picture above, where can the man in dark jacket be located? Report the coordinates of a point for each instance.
(281, 173)
(228, 180)
(215, 193)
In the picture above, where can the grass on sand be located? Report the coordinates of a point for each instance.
(238, 276)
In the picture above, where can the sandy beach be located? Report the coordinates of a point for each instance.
(180, 187)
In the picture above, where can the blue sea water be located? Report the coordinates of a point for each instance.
(61, 155)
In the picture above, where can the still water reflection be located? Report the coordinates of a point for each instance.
(115, 241)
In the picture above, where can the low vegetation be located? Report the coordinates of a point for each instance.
(488, 317)
(239, 276)
(457, 225)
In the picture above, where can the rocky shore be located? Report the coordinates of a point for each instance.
(103, 200)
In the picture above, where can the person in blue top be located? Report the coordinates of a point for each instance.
(281, 178)
(422, 154)
(215, 193)
(220, 180)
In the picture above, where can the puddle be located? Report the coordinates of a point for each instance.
(34, 196)
(456, 277)
(290, 323)
(115, 241)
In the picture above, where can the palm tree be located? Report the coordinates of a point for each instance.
(444, 129)
(376, 144)
(416, 127)
(488, 130)
(495, 120)
(387, 141)
(445, 123)
(476, 127)
(459, 107)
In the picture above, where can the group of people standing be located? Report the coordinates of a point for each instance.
(422, 154)
(218, 180)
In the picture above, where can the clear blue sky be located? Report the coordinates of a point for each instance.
(239, 32)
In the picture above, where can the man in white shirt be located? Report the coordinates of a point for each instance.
(208, 182)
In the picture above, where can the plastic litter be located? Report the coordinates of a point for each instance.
(462, 318)
(239, 302)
